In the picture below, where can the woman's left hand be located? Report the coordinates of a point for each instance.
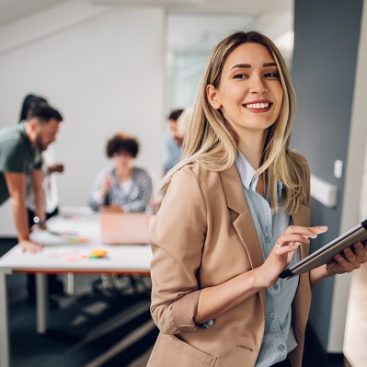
(353, 257)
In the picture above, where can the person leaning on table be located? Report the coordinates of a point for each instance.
(49, 167)
(51, 201)
(20, 155)
(235, 209)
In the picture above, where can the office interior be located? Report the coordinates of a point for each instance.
(122, 65)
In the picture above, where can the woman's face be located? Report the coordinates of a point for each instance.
(250, 94)
(123, 160)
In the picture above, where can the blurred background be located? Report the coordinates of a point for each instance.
(112, 65)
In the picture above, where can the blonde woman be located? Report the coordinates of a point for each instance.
(234, 213)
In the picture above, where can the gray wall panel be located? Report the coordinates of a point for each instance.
(325, 55)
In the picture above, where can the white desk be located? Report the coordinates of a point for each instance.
(66, 258)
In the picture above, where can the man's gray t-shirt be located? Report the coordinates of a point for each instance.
(16, 155)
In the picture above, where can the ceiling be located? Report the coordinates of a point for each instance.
(254, 7)
(192, 23)
(13, 10)
(201, 32)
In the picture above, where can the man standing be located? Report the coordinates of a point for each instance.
(20, 156)
(172, 141)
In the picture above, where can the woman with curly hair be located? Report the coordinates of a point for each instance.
(122, 187)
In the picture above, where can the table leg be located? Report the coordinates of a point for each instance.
(4, 326)
(41, 303)
(70, 284)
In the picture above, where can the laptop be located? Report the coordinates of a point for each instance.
(125, 228)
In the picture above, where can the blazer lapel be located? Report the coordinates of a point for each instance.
(243, 224)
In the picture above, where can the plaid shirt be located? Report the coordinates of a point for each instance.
(135, 199)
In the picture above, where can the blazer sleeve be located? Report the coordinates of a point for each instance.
(177, 240)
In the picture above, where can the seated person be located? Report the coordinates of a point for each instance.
(122, 187)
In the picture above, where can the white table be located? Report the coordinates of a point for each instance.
(66, 257)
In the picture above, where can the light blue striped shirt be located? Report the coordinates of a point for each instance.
(278, 338)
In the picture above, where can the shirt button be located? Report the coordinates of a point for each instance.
(267, 239)
(276, 286)
(281, 347)
(272, 315)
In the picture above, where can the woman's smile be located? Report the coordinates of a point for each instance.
(258, 106)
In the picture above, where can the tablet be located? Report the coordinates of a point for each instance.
(327, 252)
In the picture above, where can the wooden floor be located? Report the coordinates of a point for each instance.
(355, 342)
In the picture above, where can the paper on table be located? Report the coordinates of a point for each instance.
(51, 238)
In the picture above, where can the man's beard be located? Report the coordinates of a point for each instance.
(39, 144)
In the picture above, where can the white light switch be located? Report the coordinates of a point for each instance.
(338, 168)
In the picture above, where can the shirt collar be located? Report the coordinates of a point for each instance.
(248, 175)
(246, 171)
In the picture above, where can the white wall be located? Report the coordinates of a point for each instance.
(103, 68)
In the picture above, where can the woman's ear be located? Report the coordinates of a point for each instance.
(213, 97)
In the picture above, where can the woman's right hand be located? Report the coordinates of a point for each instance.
(288, 242)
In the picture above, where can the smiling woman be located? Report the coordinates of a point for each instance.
(235, 212)
(253, 71)
(249, 95)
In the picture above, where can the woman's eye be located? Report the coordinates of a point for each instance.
(272, 75)
(240, 76)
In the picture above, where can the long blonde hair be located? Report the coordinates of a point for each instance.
(211, 141)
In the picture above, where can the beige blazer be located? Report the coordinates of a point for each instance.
(203, 236)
